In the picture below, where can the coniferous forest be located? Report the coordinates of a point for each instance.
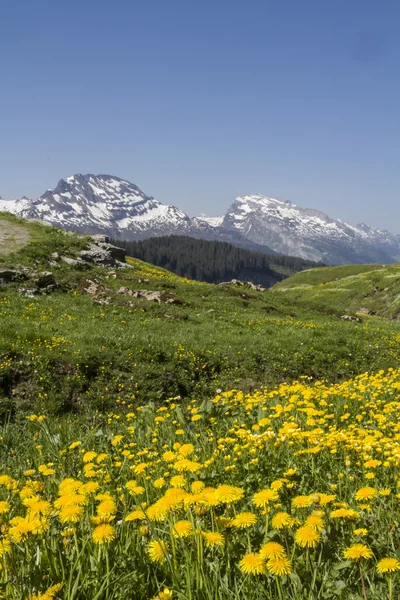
(213, 261)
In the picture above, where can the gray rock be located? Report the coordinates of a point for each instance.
(160, 297)
(125, 290)
(75, 262)
(250, 284)
(45, 280)
(29, 292)
(351, 318)
(365, 311)
(98, 256)
(99, 238)
(123, 265)
(116, 252)
(9, 275)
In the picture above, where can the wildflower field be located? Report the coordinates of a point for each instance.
(225, 447)
(288, 493)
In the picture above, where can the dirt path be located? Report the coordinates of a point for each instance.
(12, 236)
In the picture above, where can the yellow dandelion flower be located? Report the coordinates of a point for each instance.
(357, 552)
(37, 506)
(213, 538)
(315, 521)
(134, 488)
(4, 507)
(345, 513)
(279, 566)
(182, 529)
(262, 498)
(307, 536)
(302, 502)
(178, 481)
(166, 594)
(89, 456)
(159, 483)
(136, 515)
(272, 550)
(252, 564)
(72, 513)
(282, 520)
(103, 534)
(244, 520)
(5, 546)
(388, 565)
(325, 499)
(158, 551)
(197, 487)
(228, 494)
(107, 507)
(360, 531)
(365, 493)
(49, 594)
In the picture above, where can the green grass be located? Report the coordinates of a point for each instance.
(351, 288)
(65, 352)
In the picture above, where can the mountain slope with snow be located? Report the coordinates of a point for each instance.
(101, 203)
(107, 204)
(309, 233)
(111, 205)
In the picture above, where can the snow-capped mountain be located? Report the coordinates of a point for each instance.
(107, 204)
(101, 203)
(309, 233)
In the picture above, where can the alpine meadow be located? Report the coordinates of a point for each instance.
(165, 438)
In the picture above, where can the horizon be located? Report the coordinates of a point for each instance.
(200, 104)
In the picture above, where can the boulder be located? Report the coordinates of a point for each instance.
(9, 275)
(45, 280)
(98, 256)
(100, 238)
(351, 318)
(250, 284)
(365, 311)
(117, 253)
(125, 290)
(160, 297)
(75, 262)
(102, 253)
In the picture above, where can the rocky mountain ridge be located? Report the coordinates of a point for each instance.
(114, 206)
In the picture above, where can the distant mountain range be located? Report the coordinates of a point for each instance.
(104, 203)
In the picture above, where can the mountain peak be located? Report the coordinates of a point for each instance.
(307, 232)
(102, 203)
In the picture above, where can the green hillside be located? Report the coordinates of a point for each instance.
(85, 344)
(367, 289)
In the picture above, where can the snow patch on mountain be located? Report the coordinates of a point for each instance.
(213, 221)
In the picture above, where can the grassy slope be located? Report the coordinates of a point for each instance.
(66, 352)
(346, 288)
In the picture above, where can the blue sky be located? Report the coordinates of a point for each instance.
(198, 102)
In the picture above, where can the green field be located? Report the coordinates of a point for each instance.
(65, 351)
(233, 445)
